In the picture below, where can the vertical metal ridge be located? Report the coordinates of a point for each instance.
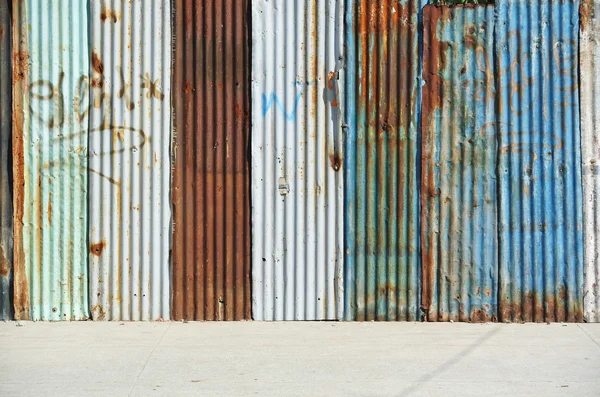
(459, 200)
(296, 186)
(382, 269)
(130, 132)
(6, 212)
(541, 240)
(50, 151)
(6, 196)
(590, 165)
(211, 259)
(20, 80)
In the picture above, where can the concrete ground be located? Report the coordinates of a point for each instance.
(298, 359)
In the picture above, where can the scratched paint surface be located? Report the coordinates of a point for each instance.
(54, 148)
(382, 267)
(590, 156)
(459, 197)
(6, 211)
(297, 168)
(541, 242)
(129, 159)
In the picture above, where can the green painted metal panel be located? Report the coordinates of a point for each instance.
(54, 60)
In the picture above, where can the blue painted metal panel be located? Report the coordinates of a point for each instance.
(459, 197)
(381, 231)
(541, 255)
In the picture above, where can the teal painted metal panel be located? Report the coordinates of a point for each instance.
(540, 185)
(6, 212)
(54, 144)
(381, 166)
(459, 197)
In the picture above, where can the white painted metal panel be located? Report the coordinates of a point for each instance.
(296, 146)
(129, 159)
(590, 149)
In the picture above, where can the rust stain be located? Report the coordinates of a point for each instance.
(97, 64)
(586, 13)
(97, 248)
(20, 66)
(4, 263)
(49, 208)
(97, 82)
(98, 313)
(108, 15)
(433, 92)
(376, 19)
(187, 87)
(20, 84)
(560, 306)
(336, 161)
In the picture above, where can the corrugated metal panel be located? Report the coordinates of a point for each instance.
(590, 147)
(296, 160)
(459, 198)
(130, 130)
(6, 212)
(541, 239)
(53, 147)
(211, 197)
(382, 269)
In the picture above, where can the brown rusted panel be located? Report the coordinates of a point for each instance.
(211, 201)
(20, 85)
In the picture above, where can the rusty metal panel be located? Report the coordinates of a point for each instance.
(382, 264)
(50, 151)
(129, 90)
(6, 212)
(297, 181)
(211, 198)
(540, 208)
(590, 154)
(459, 197)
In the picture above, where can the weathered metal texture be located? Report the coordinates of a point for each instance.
(459, 198)
(50, 150)
(129, 88)
(297, 182)
(382, 267)
(590, 154)
(540, 212)
(211, 195)
(6, 212)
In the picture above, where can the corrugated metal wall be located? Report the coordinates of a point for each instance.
(590, 147)
(211, 195)
(297, 160)
(129, 114)
(335, 100)
(382, 267)
(459, 198)
(6, 208)
(541, 242)
(53, 146)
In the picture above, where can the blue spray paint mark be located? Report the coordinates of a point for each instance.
(266, 105)
(273, 98)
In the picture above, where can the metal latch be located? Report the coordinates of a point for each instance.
(284, 188)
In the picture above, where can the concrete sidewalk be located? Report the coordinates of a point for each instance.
(298, 359)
